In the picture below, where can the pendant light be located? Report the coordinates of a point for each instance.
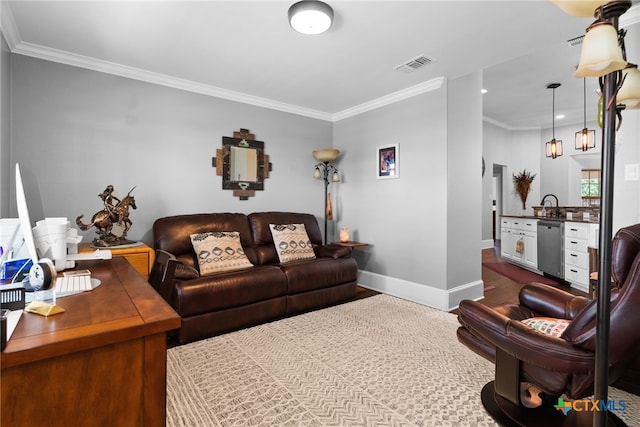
(554, 147)
(585, 138)
(310, 17)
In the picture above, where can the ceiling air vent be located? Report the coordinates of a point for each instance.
(413, 64)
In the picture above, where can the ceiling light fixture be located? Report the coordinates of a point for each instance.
(310, 17)
(554, 147)
(585, 138)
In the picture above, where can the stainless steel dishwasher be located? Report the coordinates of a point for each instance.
(551, 248)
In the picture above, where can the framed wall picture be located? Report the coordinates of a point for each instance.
(388, 161)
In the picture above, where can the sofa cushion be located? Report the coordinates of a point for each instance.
(309, 275)
(219, 251)
(221, 291)
(292, 242)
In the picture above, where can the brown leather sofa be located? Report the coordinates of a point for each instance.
(226, 301)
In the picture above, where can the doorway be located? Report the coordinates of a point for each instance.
(499, 172)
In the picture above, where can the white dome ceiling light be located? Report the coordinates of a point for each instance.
(310, 17)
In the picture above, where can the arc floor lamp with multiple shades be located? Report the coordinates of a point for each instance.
(603, 56)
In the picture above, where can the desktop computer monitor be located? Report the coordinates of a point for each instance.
(30, 209)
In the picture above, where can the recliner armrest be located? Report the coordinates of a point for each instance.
(522, 341)
(332, 251)
(549, 301)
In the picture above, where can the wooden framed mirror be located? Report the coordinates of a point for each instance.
(242, 163)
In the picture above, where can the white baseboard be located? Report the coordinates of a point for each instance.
(441, 299)
(487, 244)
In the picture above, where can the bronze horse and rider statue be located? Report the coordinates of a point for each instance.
(115, 212)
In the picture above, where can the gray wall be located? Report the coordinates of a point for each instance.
(423, 228)
(80, 130)
(5, 125)
(464, 180)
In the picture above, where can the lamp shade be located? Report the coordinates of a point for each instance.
(580, 8)
(601, 54)
(629, 93)
(326, 155)
(310, 17)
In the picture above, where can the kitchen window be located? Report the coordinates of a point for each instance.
(590, 187)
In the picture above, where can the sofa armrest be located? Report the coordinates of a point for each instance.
(332, 251)
(162, 273)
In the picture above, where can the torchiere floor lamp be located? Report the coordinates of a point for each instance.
(322, 170)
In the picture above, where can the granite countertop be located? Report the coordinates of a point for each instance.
(550, 218)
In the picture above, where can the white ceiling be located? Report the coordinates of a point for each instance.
(245, 50)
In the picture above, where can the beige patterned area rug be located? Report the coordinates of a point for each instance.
(379, 361)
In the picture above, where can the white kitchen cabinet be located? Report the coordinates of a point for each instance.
(577, 238)
(507, 247)
(522, 230)
(530, 255)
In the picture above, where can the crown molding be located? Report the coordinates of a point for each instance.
(630, 17)
(94, 64)
(8, 26)
(17, 46)
(81, 61)
(392, 98)
(506, 126)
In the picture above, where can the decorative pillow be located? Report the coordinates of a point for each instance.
(547, 325)
(219, 251)
(291, 242)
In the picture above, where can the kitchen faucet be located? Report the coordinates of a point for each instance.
(545, 198)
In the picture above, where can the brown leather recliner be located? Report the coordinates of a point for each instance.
(561, 365)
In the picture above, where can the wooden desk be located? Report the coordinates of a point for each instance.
(141, 257)
(102, 362)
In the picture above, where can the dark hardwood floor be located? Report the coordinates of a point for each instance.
(504, 290)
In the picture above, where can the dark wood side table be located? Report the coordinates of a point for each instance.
(104, 360)
(351, 244)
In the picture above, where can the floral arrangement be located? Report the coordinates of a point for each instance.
(522, 183)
